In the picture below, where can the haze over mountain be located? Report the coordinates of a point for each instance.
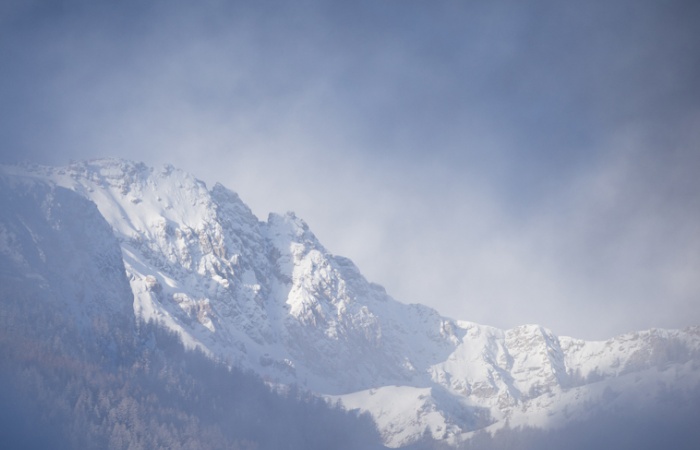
(267, 296)
(549, 150)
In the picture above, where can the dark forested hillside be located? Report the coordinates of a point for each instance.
(160, 396)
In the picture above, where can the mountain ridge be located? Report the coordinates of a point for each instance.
(267, 296)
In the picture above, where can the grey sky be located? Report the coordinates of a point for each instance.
(505, 162)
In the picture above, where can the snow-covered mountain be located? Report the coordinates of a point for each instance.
(267, 296)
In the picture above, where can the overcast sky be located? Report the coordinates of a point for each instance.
(504, 162)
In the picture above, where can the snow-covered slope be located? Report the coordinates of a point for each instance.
(267, 296)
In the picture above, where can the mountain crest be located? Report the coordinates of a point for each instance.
(267, 296)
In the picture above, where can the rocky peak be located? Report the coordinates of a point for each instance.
(267, 296)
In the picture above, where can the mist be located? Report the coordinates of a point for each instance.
(505, 163)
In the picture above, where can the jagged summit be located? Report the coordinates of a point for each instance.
(267, 296)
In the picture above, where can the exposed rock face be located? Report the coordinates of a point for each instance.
(62, 282)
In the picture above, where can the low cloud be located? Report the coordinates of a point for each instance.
(504, 163)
